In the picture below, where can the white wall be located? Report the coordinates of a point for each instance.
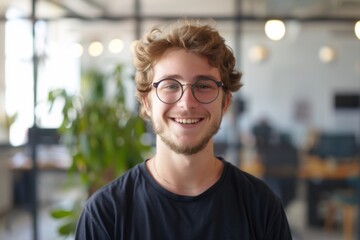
(293, 73)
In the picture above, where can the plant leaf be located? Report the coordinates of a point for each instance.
(61, 213)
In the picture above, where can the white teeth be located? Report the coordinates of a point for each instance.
(187, 121)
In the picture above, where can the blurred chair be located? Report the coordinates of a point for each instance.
(335, 145)
(346, 200)
(340, 148)
(334, 157)
(263, 133)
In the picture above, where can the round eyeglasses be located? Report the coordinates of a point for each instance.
(170, 91)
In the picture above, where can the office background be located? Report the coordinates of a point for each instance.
(306, 83)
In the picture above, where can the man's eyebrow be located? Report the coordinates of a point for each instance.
(171, 76)
(205, 77)
(196, 78)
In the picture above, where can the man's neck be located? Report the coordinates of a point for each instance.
(185, 174)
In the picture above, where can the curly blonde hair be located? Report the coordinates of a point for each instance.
(201, 39)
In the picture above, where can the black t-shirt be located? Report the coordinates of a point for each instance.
(136, 207)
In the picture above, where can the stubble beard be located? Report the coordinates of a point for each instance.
(182, 147)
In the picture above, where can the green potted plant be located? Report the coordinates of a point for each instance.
(103, 136)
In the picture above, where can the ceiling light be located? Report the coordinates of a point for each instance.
(95, 49)
(275, 29)
(357, 29)
(116, 46)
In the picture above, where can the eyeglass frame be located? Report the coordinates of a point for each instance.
(182, 85)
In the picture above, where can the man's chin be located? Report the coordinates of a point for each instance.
(186, 146)
(185, 149)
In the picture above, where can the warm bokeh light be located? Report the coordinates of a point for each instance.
(116, 46)
(327, 54)
(95, 49)
(258, 53)
(275, 29)
(357, 29)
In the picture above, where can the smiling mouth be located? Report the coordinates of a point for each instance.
(187, 120)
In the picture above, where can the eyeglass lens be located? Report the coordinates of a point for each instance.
(170, 90)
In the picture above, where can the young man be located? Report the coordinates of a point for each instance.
(185, 76)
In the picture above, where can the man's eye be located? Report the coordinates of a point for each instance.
(172, 87)
(203, 86)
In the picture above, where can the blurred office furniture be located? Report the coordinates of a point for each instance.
(263, 133)
(6, 151)
(280, 163)
(275, 161)
(344, 200)
(326, 167)
(52, 161)
(51, 156)
(339, 146)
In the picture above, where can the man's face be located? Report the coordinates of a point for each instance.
(187, 125)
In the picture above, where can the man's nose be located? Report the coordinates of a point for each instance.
(188, 100)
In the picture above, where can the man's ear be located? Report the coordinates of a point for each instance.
(146, 105)
(226, 102)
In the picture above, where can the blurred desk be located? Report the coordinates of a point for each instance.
(49, 158)
(322, 176)
(317, 168)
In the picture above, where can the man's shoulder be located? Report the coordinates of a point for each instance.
(247, 182)
(240, 174)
